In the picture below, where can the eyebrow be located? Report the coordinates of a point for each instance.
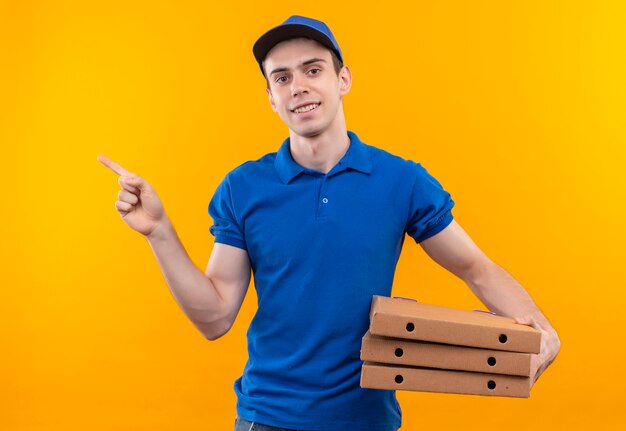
(304, 63)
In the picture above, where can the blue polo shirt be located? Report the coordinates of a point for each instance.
(320, 246)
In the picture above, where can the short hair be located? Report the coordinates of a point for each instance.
(337, 64)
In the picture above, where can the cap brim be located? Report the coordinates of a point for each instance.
(272, 37)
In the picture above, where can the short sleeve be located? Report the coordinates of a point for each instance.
(430, 207)
(226, 228)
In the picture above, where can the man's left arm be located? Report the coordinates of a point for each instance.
(453, 249)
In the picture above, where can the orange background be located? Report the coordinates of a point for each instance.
(518, 108)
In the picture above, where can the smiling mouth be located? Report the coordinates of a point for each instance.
(306, 108)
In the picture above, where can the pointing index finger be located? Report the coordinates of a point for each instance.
(112, 165)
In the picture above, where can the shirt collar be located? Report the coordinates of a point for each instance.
(357, 157)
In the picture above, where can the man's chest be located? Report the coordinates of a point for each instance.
(349, 214)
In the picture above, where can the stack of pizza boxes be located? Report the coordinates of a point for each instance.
(420, 347)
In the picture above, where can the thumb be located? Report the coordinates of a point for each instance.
(135, 181)
(527, 320)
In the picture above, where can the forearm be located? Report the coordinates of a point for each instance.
(502, 294)
(453, 249)
(192, 289)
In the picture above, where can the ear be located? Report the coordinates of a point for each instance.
(345, 81)
(269, 93)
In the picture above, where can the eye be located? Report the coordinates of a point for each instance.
(281, 79)
(315, 70)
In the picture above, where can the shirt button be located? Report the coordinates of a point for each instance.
(325, 200)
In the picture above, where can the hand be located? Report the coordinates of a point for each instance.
(550, 345)
(138, 203)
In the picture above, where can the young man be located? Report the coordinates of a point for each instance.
(321, 223)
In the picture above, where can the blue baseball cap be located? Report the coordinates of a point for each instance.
(295, 26)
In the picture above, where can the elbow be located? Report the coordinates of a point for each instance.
(212, 337)
(216, 329)
(474, 275)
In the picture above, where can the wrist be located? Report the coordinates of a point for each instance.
(162, 231)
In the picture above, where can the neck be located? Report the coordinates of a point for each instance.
(321, 152)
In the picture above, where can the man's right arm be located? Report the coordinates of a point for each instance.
(212, 300)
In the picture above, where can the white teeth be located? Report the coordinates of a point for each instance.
(306, 108)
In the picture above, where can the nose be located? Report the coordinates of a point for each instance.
(298, 85)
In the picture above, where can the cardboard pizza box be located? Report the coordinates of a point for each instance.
(409, 319)
(397, 377)
(444, 356)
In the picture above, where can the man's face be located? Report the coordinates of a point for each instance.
(303, 88)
